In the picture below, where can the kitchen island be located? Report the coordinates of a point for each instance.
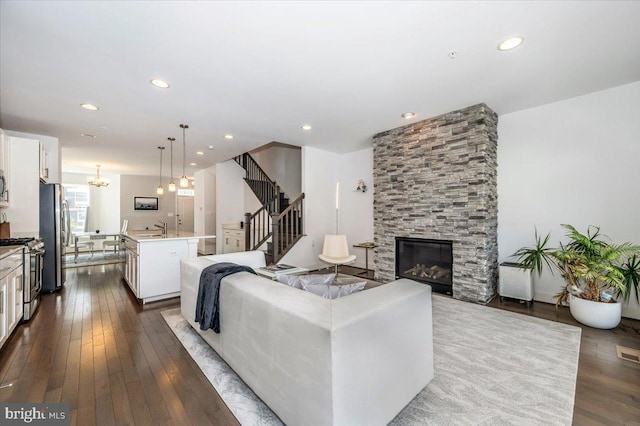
(152, 262)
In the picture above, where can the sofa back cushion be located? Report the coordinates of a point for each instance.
(253, 259)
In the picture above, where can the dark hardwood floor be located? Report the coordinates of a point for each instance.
(117, 362)
(114, 361)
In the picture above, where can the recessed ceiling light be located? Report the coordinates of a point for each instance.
(89, 107)
(305, 127)
(511, 43)
(199, 153)
(192, 164)
(228, 136)
(210, 147)
(88, 135)
(160, 83)
(408, 115)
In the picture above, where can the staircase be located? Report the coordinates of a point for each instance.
(278, 218)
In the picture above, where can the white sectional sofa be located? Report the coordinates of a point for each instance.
(356, 360)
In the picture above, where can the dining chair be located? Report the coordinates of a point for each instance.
(82, 244)
(115, 244)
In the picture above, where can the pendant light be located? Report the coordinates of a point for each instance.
(97, 180)
(172, 185)
(184, 182)
(160, 189)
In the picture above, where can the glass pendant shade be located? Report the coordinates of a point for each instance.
(160, 190)
(184, 182)
(172, 187)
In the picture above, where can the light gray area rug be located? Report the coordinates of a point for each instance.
(492, 367)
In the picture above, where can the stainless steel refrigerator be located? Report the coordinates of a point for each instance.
(54, 232)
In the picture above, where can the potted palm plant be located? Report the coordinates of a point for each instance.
(595, 273)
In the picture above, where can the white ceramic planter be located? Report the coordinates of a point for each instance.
(595, 314)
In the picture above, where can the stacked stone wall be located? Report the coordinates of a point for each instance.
(437, 179)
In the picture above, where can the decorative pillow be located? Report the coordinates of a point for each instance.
(347, 289)
(290, 280)
(297, 281)
(333, 291)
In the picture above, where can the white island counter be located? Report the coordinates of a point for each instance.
(152, 262)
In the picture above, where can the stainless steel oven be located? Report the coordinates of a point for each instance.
(32, 261)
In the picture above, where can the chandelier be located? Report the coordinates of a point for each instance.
(97, 180)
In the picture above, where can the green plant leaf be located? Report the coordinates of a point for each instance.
(630, 271)
(586, 262)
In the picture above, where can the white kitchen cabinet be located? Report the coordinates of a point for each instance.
(132, 270)
(152, 265)
(11, 286)
(44, 164)
(4, 166)
(233, 240)
(24, 186)
(4, 287)
(18, 285)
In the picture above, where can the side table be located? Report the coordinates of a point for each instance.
(366, 246)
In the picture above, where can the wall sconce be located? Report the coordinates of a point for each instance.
(361, 186)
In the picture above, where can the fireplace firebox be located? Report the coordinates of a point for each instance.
(427, 261)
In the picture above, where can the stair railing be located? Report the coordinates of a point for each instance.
(259, 182)
(257, 227)
(287, 228)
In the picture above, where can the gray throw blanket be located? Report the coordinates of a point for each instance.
(208, 305)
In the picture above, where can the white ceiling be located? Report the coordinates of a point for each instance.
(259, 70)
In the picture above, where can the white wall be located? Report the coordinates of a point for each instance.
(576, 162)
(205, 207)
(104, 213)
(229, 197)
(145, 186)
(283, 164)
(356, 208)
(250, 201)
(321, 170)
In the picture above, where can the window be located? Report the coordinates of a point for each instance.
(78, 198)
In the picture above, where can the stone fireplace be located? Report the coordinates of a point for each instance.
(436, 180)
